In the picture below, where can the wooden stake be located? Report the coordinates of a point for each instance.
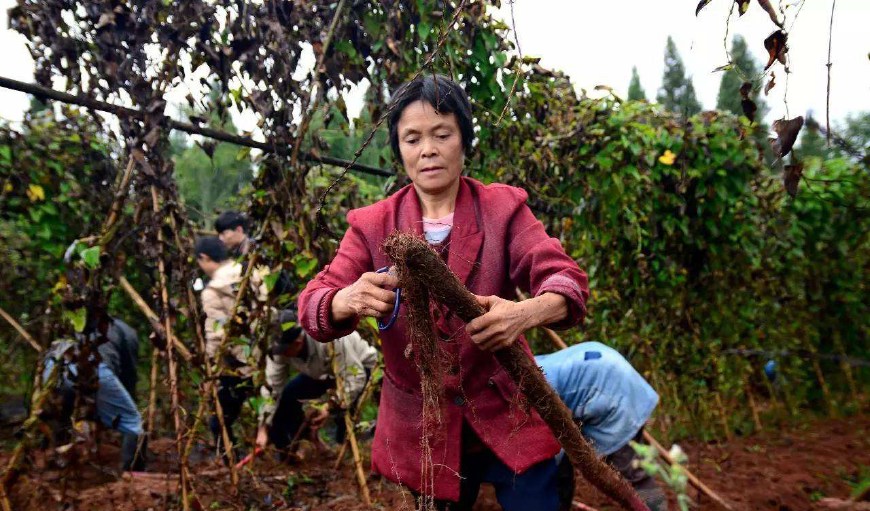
(703, 488)
(152, 395)
(752, 406)
(26, 336)
(723, 417)
(817, 368)
(348, 423)
(366, 394)
(152, 318)
(170, 355)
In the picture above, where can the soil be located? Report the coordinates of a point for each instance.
(790, 470)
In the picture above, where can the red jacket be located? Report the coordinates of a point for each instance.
(496, 245)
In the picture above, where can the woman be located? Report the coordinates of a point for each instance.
(491, 240)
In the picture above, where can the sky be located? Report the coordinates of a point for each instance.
(597, 43)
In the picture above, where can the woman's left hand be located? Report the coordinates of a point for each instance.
(501, 325)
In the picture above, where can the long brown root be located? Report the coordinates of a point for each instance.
(421, 268)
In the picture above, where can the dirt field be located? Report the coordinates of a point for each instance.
(787, 471)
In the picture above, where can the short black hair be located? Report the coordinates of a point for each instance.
(230, 220)
(211, 246)
(284, 338)
(445, 95)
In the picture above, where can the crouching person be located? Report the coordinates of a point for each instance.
(116, 375)
(612, 402)
(282, 415)
(218, 300)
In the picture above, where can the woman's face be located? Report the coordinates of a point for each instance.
(431, 147)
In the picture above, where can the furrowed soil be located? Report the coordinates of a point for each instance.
(799, 468)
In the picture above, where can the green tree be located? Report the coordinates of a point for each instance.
(812, 142)
(677, 93)
(635, 89)
(210, 176)
(856, 134)
(744, 69)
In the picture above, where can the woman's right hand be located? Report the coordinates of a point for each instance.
(365, 297)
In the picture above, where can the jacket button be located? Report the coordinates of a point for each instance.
(459, 400)
(491, 382)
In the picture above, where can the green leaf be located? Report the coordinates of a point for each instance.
(243, 154)
(305, 265)
(91, 257)
(424, 28)
(77, 318)
(270, 280)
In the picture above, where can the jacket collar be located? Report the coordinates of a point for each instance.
(466, 236)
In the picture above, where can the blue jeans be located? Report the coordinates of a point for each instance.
(535, 489)
(603, 390)
(115, 407)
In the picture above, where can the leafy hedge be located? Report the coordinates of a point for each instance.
(697, 257)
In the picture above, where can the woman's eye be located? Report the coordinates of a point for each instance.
(411, 140)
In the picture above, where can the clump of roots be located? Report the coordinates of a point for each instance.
(421, 270)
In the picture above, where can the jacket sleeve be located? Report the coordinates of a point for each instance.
(539, 264)
(215, 317)
(277, 370)
(349, 355)
(315, 302)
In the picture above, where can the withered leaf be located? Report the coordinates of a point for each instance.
(207, 147)
(775, 44)
(701, 5)
(742, 6)
(144, 166)
(770, 84)
(791, 177)
(765, 4)
(787, 132)
(391, 44)
(152, 137)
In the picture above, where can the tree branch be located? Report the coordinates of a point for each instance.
(122, 111)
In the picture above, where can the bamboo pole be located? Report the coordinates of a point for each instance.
(152, 394)
(152, 318)
(170, 353)
(723, 416)
(752, 406)
(366, 394)
(689, 475)
(21, 331)
(348, 423)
